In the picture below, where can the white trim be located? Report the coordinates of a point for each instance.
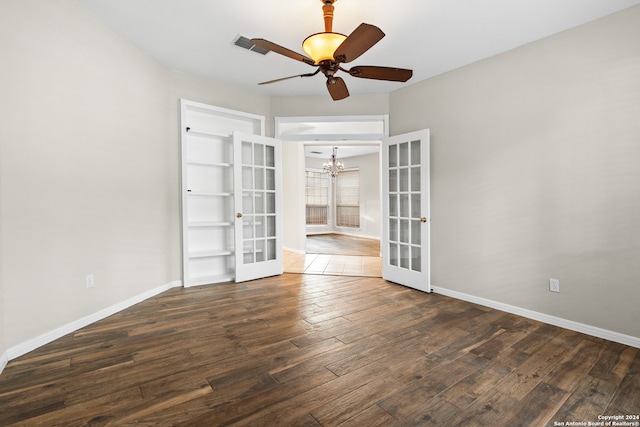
(348, 139)
(32, 344)
(367, 138)
(185, 103)
(4, 359)
(362, 236)
(545, 318)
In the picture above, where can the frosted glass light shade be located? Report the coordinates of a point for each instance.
(321, 46)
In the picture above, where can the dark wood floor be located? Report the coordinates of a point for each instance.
(304, 350)
(340, 244)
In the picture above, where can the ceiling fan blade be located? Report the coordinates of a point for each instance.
(290, 77)
(337, 88)
(358, 42)
(381, 73)
(270, 46)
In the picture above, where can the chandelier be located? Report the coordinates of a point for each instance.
(333, 167)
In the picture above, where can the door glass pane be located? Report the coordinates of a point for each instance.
(404, 230)
(269, 156)
(247, 252)
(271, 249)
(393, 156)
(271, 226)
(415, 205)
(404, 205)
(247, 156)
(415, 232)
(247, 178)
(259, 226)
(415, 178)
(260, 250)
(259, 174)
(271, 203)
(247, 227)
(404, 256)
(393, 180)
(270, 179)
(415, 152)
(247, 203)
(393, 230)
(258, 154)
(393, 205)
(393, 254)
(403, 154)
(404, 180)
(416, 261)
(259, 202)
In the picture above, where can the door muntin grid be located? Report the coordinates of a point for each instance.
(405, 198)
(258, 203)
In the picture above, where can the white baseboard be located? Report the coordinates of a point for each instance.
(32, 344)
(363, 236)
(4, 359)
(541, 317)
(344, 233)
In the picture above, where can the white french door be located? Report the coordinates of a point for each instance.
(258, 206)
(406, 215)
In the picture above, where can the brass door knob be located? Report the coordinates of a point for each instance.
(423, 219)
(238, 215)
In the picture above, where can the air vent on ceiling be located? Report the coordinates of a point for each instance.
(315, 152)
(244, 42)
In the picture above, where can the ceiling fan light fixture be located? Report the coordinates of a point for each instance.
(321, 46)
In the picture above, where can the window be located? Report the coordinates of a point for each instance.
(317, 198)
(348, 199)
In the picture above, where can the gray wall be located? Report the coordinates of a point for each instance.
(536, 173)
(89, 166)
(294, 106)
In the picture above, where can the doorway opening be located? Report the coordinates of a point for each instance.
(332, 246)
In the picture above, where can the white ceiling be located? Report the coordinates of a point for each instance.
(429, 36)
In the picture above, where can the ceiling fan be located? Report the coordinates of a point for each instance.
(328, 50)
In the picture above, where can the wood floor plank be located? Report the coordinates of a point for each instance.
(309, 350)
(373, 416)
(491, 409)
(575, 366)
(626, 400)
(539, 406)
(591, 397)
(531, 372)
(434, 381)
(614, 363)
(434, 412)
(466, 391)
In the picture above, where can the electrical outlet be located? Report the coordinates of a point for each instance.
(89, 281)
(554, 285)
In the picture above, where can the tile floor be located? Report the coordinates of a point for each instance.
(337, 265)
